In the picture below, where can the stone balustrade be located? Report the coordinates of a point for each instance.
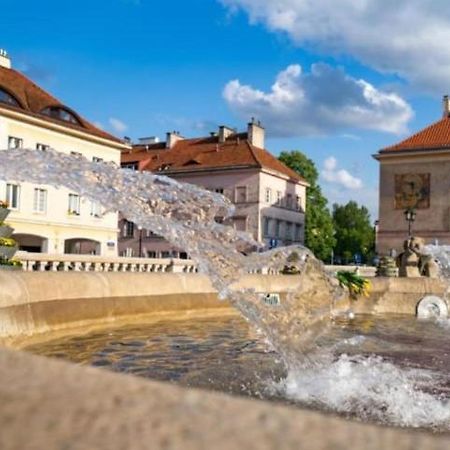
(40, 262)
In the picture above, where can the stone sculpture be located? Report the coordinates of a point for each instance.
(414, 262)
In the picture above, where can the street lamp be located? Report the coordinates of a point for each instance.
(140, 242)
(410, 217)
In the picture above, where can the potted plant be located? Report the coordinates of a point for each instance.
(4, 211)
(5, 230)
(10, 264)
(8, 247)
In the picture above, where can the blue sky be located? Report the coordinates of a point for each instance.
(336, 84)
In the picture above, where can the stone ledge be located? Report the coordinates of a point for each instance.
(53, 405)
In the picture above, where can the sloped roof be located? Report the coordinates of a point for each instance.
(435, 136)
(200, 154)
(33, 100)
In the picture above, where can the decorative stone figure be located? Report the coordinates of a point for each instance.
(408, 261)
(414, 262)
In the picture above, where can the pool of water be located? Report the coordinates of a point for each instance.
(392, 369)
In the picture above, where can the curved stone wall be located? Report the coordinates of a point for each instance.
(39, 303)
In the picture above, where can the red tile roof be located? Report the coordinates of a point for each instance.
(33, 100)
(436, 136)
(200, 154)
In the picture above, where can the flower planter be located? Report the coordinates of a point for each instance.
(8, 252)
(3, 214)
(6, 231)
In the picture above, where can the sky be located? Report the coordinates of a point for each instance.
(337, 83)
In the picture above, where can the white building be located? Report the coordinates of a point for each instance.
(46, 219)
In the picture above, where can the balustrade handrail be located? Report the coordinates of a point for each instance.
(83, 263)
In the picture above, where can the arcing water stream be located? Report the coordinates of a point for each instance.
(185, 215)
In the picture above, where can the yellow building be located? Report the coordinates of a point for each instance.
(46, 219)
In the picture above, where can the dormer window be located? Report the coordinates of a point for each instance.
(7, 98)
(59, 113)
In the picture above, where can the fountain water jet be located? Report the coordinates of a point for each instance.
(184, 215)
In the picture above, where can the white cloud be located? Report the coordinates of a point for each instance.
(341, 177)
(117, 125)
(409, 37)
(321, 101)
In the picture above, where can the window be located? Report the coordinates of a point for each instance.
(298, 203)
(151, 254)
(13, 195)
(59, 113)
(7, 98)
(218, 219)
(289, 201)
(166, 254)
(219, 190)
(40, 200)
(266, 226)
(241, 194)
(268, 195)
(77, 154)
(14, 142)
(298, 232)
(131, 166)
(96, 209)
(289, 231)
(240, 223)
(96, 159)
(278, 228)
(42, 147)
(74, 205)
(128, 229)
(279, 198)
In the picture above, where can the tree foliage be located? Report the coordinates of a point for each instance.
(354, 231)
(319, 231)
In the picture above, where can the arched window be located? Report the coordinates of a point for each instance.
(56, 112)
(7, 98)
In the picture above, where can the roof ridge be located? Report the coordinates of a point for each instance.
(255, 157)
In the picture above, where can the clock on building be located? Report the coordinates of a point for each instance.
(412, 190)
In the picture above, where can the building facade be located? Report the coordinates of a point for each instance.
(415, 177)
(268, 196)
(46, 219)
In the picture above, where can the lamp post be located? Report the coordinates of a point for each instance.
(140, 242)
(410, 217)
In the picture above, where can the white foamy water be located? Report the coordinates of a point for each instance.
(371, 389)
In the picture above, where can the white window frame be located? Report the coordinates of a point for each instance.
(9, 196)
(42, 147)
(74, 205)
(14, 142)
(96, 209)
(279, 198)
(40, 201)
(96, 159)
(268, 195)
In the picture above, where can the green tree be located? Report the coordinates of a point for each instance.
(354, 231)
(319, 231)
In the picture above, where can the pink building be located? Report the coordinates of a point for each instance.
(269, 197)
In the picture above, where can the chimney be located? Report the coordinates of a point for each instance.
(256, 133)
(148, 140)
(224, 133)
(4, 59)
(445, 106)
(172, 138)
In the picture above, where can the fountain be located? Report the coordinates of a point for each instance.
(298, 329)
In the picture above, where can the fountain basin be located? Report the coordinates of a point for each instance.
(37, 305)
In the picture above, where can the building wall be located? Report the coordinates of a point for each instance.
(56, 225)
(433, 222)
(249, 213)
